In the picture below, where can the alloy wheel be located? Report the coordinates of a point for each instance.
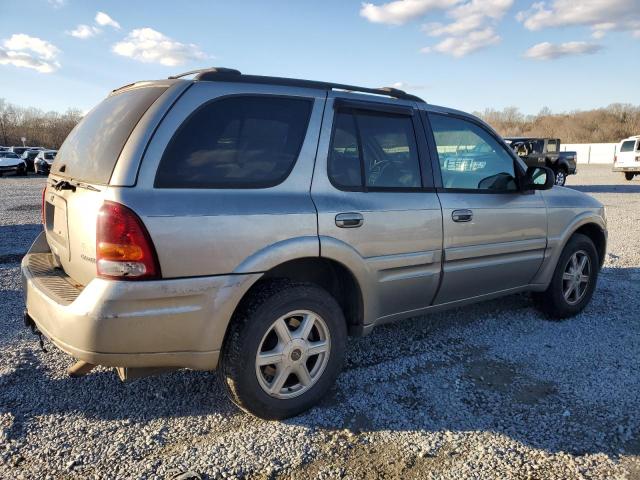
(293, 354)
(576, 277)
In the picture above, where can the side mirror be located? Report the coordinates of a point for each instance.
(538, 178)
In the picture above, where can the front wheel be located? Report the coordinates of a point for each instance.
(284, 350)
(561, 177)
(573, 282)
(629, 175)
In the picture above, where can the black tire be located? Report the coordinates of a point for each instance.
(249, 327)
(552, 301)
(560, 177)
(629, 175)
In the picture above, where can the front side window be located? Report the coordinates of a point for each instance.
(374, 151)
(236, 142)
(470, 157)
(627, 146)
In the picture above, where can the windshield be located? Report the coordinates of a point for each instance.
(628, 146)
(91, 150)
(8, 155)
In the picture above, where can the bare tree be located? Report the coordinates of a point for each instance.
(603, 125)
(44, 129)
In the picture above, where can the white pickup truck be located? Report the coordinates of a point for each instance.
(627, 157)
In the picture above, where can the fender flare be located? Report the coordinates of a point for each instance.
(555, 245)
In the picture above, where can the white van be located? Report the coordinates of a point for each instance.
(627, 157)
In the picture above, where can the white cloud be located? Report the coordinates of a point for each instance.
(470, 16)
(407, 86)
(22, 50)
(601, 15)
(472, 27)
(399, 12)
(84, 31)
(104, 20)
(460, 46)
(551, 51)
(57, 3)
(150, 46)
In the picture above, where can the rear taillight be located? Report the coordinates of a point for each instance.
(42, 214)
(124, 249)
(615, 158)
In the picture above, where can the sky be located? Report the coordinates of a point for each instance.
(466, 54)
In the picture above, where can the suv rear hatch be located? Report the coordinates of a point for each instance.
(80, 174)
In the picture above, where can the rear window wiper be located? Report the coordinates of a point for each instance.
(70, 185)
(64, 185)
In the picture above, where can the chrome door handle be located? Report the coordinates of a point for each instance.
(462, 215)
(349, 220)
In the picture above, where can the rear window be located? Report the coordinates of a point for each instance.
(91, 150)
(627, 146)
(236, 142)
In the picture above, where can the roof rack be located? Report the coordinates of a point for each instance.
(218, 74)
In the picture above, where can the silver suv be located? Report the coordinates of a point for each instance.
(250, 224)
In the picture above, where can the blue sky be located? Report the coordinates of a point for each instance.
(466, 54)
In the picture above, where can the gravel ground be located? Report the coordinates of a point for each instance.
(488, 391)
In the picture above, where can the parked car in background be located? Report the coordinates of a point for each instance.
(43, 161)
(29, 156)
(18, 150)
(545, 152)
(250, 223)
(627, 160)
(10, 162)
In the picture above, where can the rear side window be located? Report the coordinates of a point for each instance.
(627, 146)
(236, 142)
(91, 150)
(373, 150)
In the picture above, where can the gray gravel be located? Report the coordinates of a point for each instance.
(489, 391)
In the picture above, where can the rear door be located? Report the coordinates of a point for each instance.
(494, 235)
(629, 154)
(373, 190)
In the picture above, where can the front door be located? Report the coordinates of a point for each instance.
(494, 234)
(373, 189)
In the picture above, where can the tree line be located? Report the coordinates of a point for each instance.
(40, 128)
(602, 125)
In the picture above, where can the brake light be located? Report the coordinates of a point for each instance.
(124, 249)
(615, 158)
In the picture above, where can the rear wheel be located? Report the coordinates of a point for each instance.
(284, 350)
(573, 282)
(561, 177)
(629, 175)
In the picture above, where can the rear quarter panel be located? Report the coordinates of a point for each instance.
(200, 232)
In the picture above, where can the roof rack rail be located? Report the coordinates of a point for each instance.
(218, 74)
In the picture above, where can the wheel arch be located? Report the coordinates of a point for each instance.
(587, 224)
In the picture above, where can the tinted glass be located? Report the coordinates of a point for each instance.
(382, 146)
(50, 155)
(389, 151)
(627, 146)
(470, 157)
(236, 142)
(344, 156)
(9, 155)
(91, 150)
